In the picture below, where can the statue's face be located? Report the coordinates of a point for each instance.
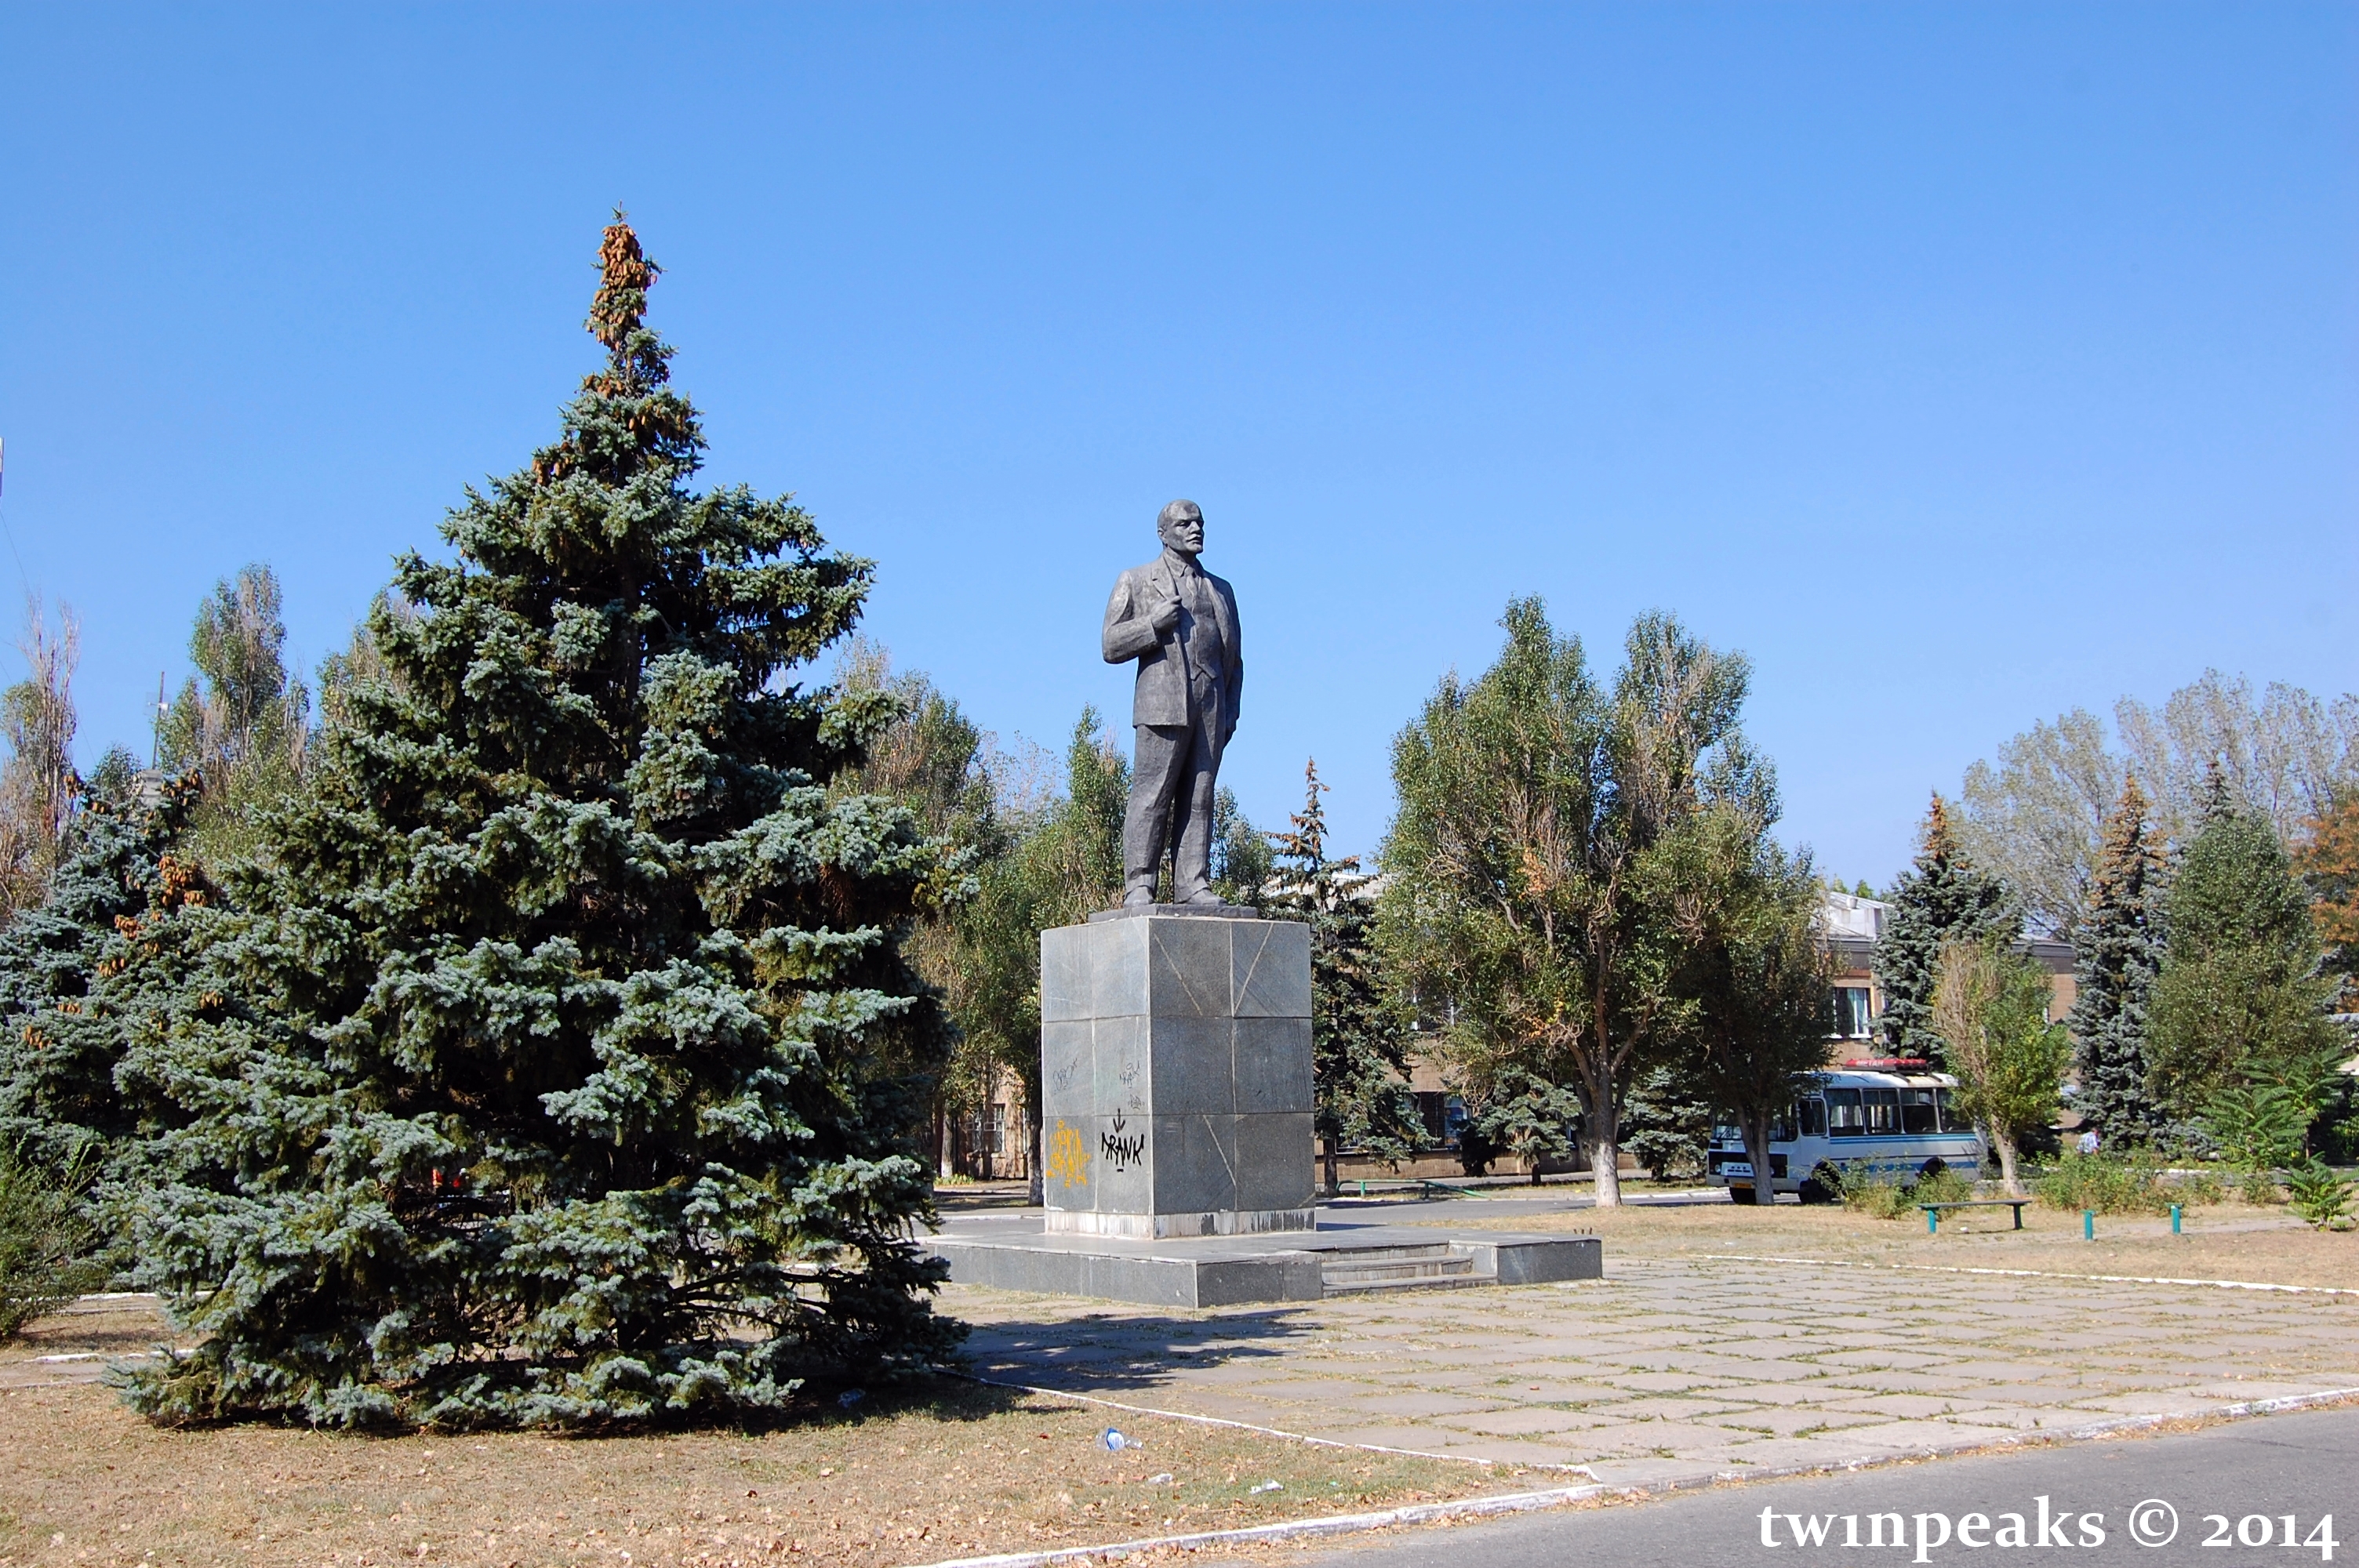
(1184, 533)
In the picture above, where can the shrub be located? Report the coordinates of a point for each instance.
(47, 1240)
(2257, 1127)
(2202, 1187)
(2259, 1187)
(1941, 1186)
(1892, 1196)
(2319, 1195)
(2106, 1183)
(1881, 1197)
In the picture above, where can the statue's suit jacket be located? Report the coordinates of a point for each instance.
(1160, 697)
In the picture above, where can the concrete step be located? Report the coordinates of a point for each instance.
(1399, 1267)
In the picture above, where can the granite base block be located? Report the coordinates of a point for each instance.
(1175, 1077)
(1149, 1226)
(1239, 1269)
(1152, 1279)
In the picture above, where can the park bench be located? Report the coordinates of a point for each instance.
(1426, 1189)
(1933, 1210)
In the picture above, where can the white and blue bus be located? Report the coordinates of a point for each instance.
(1886, 1124)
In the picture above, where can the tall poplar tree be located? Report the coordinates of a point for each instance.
(555, 1060)
(36, 778)
(1536, 808)
(2117, 952)
(1944, 897)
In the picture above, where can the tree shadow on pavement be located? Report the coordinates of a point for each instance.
(1105, 1351)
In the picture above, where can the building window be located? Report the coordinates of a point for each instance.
(986, 1130)
(1852, 1021)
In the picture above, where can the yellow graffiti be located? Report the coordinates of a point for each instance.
(1068, 1157)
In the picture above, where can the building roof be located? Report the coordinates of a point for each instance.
(1852, 925)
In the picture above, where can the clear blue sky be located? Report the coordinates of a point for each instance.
(1959, 365)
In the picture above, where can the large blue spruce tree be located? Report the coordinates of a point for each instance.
(2117, 954)
(554, 1061)
(84, 972)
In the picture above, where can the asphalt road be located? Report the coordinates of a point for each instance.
(2251, 1474)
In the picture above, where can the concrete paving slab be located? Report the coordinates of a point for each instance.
(1881, 1370)
(1777, 1423)
(1525, 1421)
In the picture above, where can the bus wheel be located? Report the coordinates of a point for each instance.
(1817, 1188)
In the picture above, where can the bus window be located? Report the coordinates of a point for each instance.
(1917, 1111)
(1951, 1121)
(1842, 1114)
(1781, 1129)
(1813, 1117)
(1880, 1108)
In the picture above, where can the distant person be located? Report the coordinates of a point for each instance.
(2088, 1142)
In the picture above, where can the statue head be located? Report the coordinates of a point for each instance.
(1181, 527)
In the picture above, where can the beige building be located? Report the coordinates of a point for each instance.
(1852, 925)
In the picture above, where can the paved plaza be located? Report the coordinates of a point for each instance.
(1681, 1369)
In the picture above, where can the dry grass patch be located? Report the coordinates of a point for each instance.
(947, 1469)
(2233, 1241)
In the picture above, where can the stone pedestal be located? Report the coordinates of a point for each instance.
(1175, 1075)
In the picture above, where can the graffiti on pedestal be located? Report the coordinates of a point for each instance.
(1126, 1149)
(1068, 1157)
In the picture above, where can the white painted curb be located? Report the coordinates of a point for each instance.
(1529, 1502)
(1339, 1524)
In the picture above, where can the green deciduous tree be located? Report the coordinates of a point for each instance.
(1753, 964)
(2118, 953)
(1359, 1066)
(2242, 994)
(1991, 1007)
(1048, 856)
(555, 1060)
(1945, 897)
(1242, 860)
(936, 761)
(1524, 910)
